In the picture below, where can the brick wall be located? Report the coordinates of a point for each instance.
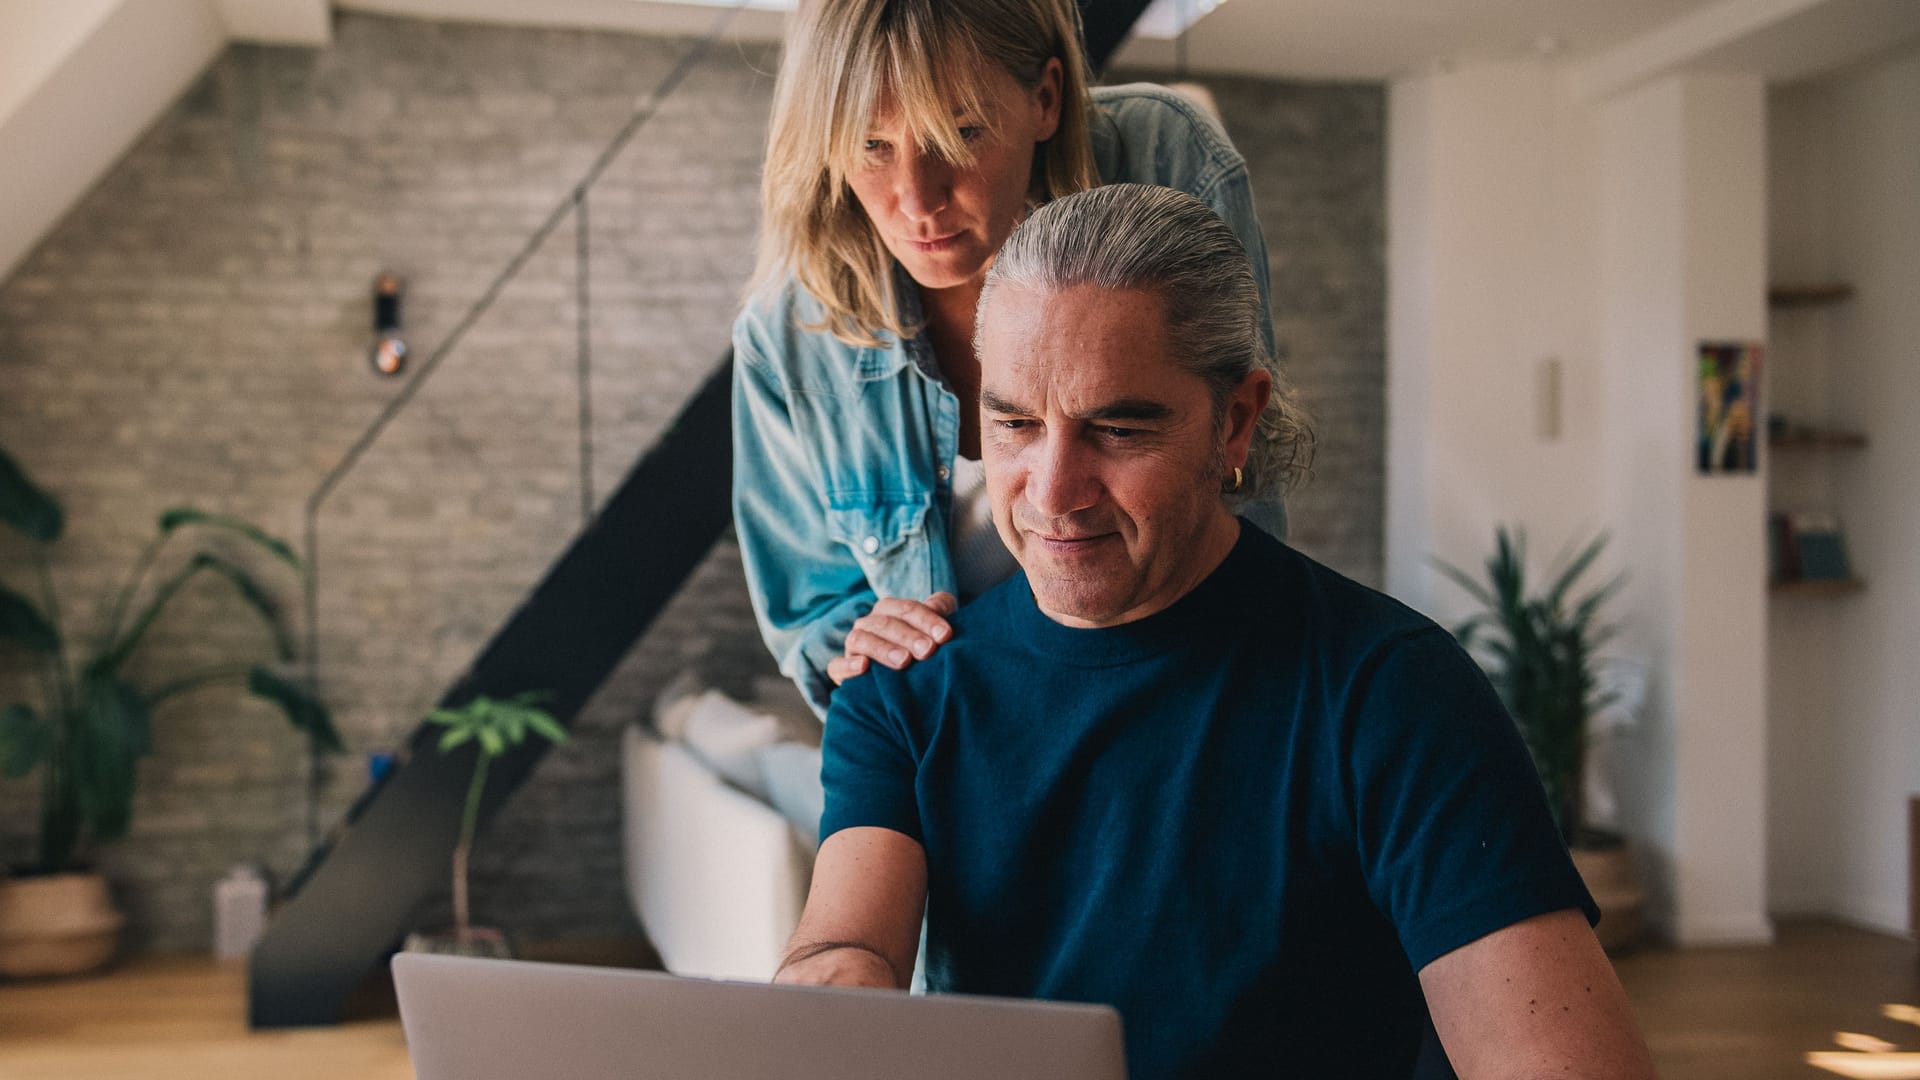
(196, 331)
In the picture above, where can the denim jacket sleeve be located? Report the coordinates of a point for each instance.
(807, 589)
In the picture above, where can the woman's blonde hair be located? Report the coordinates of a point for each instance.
(925, 58)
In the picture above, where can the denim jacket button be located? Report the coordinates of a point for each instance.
(871, 544)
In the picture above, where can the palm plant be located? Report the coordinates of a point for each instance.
(93, 724)
(1541, 654)
(493, 726)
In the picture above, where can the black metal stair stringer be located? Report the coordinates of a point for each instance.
(566, 638)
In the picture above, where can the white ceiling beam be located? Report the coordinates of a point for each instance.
(1680, 44)
(759, 22)
(279, 22)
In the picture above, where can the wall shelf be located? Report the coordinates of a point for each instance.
(1819, 440)
(1819, 586)
(1800, 296)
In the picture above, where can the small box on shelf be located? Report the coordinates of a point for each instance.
(1807, 552)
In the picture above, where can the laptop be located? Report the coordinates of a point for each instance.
(469, 1019)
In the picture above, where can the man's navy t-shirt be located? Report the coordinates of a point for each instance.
(1246, 821)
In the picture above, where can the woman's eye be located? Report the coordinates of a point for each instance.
(874, 147)
(972, 133)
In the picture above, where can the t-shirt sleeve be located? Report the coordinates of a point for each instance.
(1454, 835)
(867, 764)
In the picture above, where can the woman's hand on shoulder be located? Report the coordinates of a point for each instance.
(896, 632)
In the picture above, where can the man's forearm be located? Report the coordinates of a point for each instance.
(838, 963)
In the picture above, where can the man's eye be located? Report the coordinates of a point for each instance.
(1119, 432)
(1012, 425)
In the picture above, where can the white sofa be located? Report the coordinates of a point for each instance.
(716, 875)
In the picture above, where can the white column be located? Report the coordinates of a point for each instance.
(1682, 222)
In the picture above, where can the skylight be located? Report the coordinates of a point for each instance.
(1169, 19)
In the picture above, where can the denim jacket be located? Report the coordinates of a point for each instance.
(842, 455)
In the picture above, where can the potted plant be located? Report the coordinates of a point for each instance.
(94, 722)
(493, 727)
(1541, 653)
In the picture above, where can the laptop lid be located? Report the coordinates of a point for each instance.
(469, 1019)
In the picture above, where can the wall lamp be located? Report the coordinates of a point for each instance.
(389, 356)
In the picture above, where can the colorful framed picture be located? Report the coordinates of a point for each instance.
(1727, 400)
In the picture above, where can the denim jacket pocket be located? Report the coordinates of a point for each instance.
(887, 536)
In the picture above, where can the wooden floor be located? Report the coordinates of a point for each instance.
(1756, 1014)
(1751, 1014)
(176, 1018)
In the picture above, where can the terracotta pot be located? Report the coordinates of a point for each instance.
(1615, 884)
(60, 924)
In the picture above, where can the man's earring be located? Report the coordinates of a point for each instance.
(1238, 478)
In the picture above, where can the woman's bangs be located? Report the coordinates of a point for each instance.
(926, 78)
(936, 78)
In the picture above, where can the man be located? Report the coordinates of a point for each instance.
(1280, 821)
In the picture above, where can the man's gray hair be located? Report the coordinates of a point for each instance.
(1155, 239)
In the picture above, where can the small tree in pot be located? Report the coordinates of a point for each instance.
(493, 727)
(94, 723)
(1542, 654)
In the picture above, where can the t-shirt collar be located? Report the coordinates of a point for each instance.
(1188, 622)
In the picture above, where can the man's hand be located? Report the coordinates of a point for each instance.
(896, 632)
(1538, 999)
(862, 923)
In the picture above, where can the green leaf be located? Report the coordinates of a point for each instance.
(22, 622)
(1557, 592)
(547, 726)
(113, 732)
(23, 740)
(455, 737)
(110, 659)
(491, 742)
(304, 711)
(182, 516)
(1460, 578)
(26, 507)
(256, 597)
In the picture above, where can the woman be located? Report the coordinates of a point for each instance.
(908, 138)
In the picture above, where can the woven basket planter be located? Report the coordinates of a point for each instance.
(60, 924)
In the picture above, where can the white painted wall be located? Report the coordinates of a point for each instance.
(1642, 274)
(1525, 225)
(1803, 764)
(1682, 222)
(1490, 275)
(1721, 684)
(1847, 173)
(108, 78)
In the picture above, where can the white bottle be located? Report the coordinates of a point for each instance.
(239, 912)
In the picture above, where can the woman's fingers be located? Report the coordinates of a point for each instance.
(896, 632)
(893, 642)
(842, 668)
(926, 616)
